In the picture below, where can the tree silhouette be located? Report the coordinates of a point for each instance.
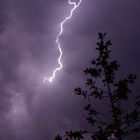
(103, 85)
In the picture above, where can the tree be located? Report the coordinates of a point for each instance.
(103, 84)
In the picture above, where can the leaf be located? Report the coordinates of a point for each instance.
(58, 137)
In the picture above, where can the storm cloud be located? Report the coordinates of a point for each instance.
(32, 110)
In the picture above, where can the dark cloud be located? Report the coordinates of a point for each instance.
(3, 15)
(28, 52)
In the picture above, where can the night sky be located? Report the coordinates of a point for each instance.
(31, 110)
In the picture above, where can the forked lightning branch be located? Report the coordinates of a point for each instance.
(75, 6)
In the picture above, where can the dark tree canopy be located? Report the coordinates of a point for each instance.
(103, 84)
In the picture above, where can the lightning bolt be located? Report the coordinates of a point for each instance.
(75, 6)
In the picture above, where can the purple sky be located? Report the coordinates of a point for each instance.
(30, 110)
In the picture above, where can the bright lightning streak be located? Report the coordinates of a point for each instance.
(75, 6)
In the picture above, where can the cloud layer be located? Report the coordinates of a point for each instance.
(30, 109)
